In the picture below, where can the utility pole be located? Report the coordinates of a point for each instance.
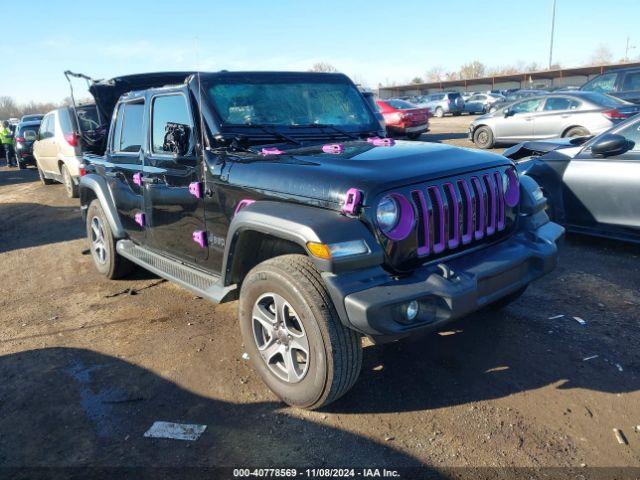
(553, 29)
(626, 50)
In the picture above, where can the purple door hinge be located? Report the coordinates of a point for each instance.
(200, 237)
(195, 189)
(137, 178)
(352, 201)
(139, 218)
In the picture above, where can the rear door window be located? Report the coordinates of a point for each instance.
(560, 103)
(46, 130)
(131, 133)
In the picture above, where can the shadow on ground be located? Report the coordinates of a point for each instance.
(72, 407)
(11, 176)
(31, 224)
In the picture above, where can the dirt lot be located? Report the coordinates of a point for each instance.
(87, 367)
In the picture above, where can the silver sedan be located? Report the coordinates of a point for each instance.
(569, 114)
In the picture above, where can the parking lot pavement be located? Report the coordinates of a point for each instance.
(88, 365)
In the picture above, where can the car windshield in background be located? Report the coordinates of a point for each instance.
(282, 103)
(400, 104)
(31, 118)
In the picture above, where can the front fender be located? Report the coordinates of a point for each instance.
(301, 224)
(94, 186)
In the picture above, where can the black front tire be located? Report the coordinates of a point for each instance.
(334, 355)
(483, 137)
(105, 257)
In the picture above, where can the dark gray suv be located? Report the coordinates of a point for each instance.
(442, 103)
(623, 83)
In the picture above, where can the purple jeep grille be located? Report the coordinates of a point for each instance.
(458, 212)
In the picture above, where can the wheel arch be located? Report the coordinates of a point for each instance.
(93, 187)
(280, 228)
(566, 130)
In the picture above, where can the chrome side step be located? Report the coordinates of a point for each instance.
(203, 284)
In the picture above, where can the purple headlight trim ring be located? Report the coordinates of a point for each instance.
(405, 222)
(512, 195)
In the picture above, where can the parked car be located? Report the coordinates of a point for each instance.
(58, 149)
(404, 118)
(26, 134)
(439, 104)
(33, 117)
(591, 185)
(371, 100)
(514, 97)
(480, 103)
(570, 114)
(298, 207)
(623, 83)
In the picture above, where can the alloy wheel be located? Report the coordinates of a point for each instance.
(98, 244)
(280, 338)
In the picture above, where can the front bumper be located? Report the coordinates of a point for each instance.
(372, 301)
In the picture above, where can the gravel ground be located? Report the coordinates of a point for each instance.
(87, 365)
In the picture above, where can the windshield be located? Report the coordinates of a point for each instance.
(286, 103)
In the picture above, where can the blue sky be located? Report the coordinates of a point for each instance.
(372, 41)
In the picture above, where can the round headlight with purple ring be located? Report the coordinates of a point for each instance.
(399, 228)
(512, 192)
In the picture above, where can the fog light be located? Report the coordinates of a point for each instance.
(411, 310)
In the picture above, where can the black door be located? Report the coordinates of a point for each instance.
(123, 168)
(172, 175)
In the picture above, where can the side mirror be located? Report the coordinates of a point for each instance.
(176, 138)
(508, 113)
(610, 144)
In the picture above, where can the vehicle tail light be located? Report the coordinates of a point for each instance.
(71, 138)
(396, 117)
(614, 114)
(82, 169)
(20, 139)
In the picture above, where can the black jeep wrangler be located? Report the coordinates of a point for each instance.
(279, 189)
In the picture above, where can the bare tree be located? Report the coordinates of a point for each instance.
(323, 67)
(601, 55)
(435, 74)
(417, 80)
(8, 108)
(472, 70)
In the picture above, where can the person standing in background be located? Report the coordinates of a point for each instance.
(6, 139)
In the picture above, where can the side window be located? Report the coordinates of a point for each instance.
(526, 106)
(631, 81)
(632, 133)
(168, 110)
(560, 103)
(604, 83)
(46, 130)
(131, 133)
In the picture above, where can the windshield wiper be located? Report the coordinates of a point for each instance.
(271, 130)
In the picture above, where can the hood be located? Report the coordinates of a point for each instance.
(310, 173)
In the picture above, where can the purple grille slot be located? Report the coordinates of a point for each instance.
(467, 235)
(352, 201)
(271, 151)
(492, 202)
(243, 203)
(512, 195)
(424, 248)
(139, 218)
(334, 148)
(137, 178)
(195, 189)
(381, 142)
(454, 241)
(200, 237)
(501, 212)
(481, 199)
(442, 241)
